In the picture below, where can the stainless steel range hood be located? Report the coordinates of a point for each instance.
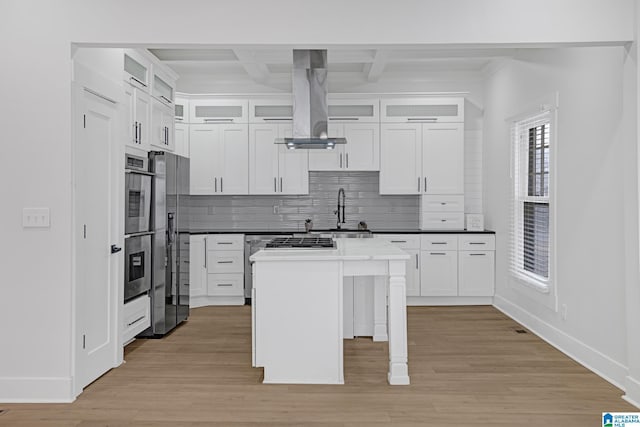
(310, 109)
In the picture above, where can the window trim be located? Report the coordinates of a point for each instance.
(543, 291)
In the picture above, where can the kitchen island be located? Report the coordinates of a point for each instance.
(297, 309)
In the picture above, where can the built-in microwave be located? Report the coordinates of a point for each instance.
(137, 265)
(137, 195)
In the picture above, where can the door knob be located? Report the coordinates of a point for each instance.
(115, 249)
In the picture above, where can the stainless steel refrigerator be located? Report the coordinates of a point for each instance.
(170, 246)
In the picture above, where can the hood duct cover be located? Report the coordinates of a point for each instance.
(310, 109)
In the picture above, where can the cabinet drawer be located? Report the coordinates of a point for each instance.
(441, 242)
(403, 241)
(225, 261)
(225, 285)
(136, 317)
(476, 242)
(225, 242)
(450, 203)
(442, 221)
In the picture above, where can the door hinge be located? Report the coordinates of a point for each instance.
(84, 121)
(85, 230)
(84, 341)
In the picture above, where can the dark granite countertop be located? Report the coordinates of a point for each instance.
(280, 232)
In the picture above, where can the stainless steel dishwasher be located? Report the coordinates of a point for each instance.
(252, 244)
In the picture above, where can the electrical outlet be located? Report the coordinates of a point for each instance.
(563, 311)
(276, 209)
(36, 218)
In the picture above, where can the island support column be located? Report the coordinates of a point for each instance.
(398, 368)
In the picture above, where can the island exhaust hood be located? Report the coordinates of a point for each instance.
(310, 109)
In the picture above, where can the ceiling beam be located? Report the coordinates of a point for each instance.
(375, 69)
(256, 70)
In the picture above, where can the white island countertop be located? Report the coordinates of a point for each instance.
(348, 249)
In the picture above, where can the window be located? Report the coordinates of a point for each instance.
(531, 237)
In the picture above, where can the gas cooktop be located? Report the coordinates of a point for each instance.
(301, 243)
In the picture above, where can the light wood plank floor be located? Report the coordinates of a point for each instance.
(468, 367)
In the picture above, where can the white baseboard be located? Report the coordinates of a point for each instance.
(632, 391)
(36, 390)
(417, 301)
(602, 365)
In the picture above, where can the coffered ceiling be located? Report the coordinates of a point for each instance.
(271, 67)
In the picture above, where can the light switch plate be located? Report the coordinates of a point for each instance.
(36, 218)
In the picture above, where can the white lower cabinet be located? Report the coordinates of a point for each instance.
(136, 317)
(197, 266)
(182, 139)
(476, 274)
(439, 273)
(447, 268)
(217, 270)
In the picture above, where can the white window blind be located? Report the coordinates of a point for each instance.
(530, 230)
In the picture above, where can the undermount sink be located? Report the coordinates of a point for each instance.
(339, 233)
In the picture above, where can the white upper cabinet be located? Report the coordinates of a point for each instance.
(162, 125)
(425, 110)
(219, 159)
(272, 110)
(138, 117)
(181, 109)
(218, 111)
(274, 169)
(354, 110)
(137, 69)
(418, 155)
(401, 159)
(182, 139)
(163, 87)
(357, 120)
(443, 158)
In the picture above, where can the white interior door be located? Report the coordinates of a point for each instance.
(96, 268)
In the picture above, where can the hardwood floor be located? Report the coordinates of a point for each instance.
(468, 367)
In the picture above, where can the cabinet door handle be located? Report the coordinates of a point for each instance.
(205, 253)
(418, 184)
(135, 132)
(477, 254)
(225, 262)
(477, 243)
(166, 99)
(215, 181)
(277, 119)
(422, 119)
(136, 321)
(225, 284)
(398, 241)
(140, 140)
(437, 253)
(340, 160)
(137, 81)
(225, 243)
(347, 160)
(221, 187)
(281, 184)
(438, 243)
(417, 267)
(218, 120)
(425, 184)
(275, 185)
(344, 118)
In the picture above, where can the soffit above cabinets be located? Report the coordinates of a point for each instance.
(269, 66)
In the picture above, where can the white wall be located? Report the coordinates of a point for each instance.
(35, 41)
(595, 135)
